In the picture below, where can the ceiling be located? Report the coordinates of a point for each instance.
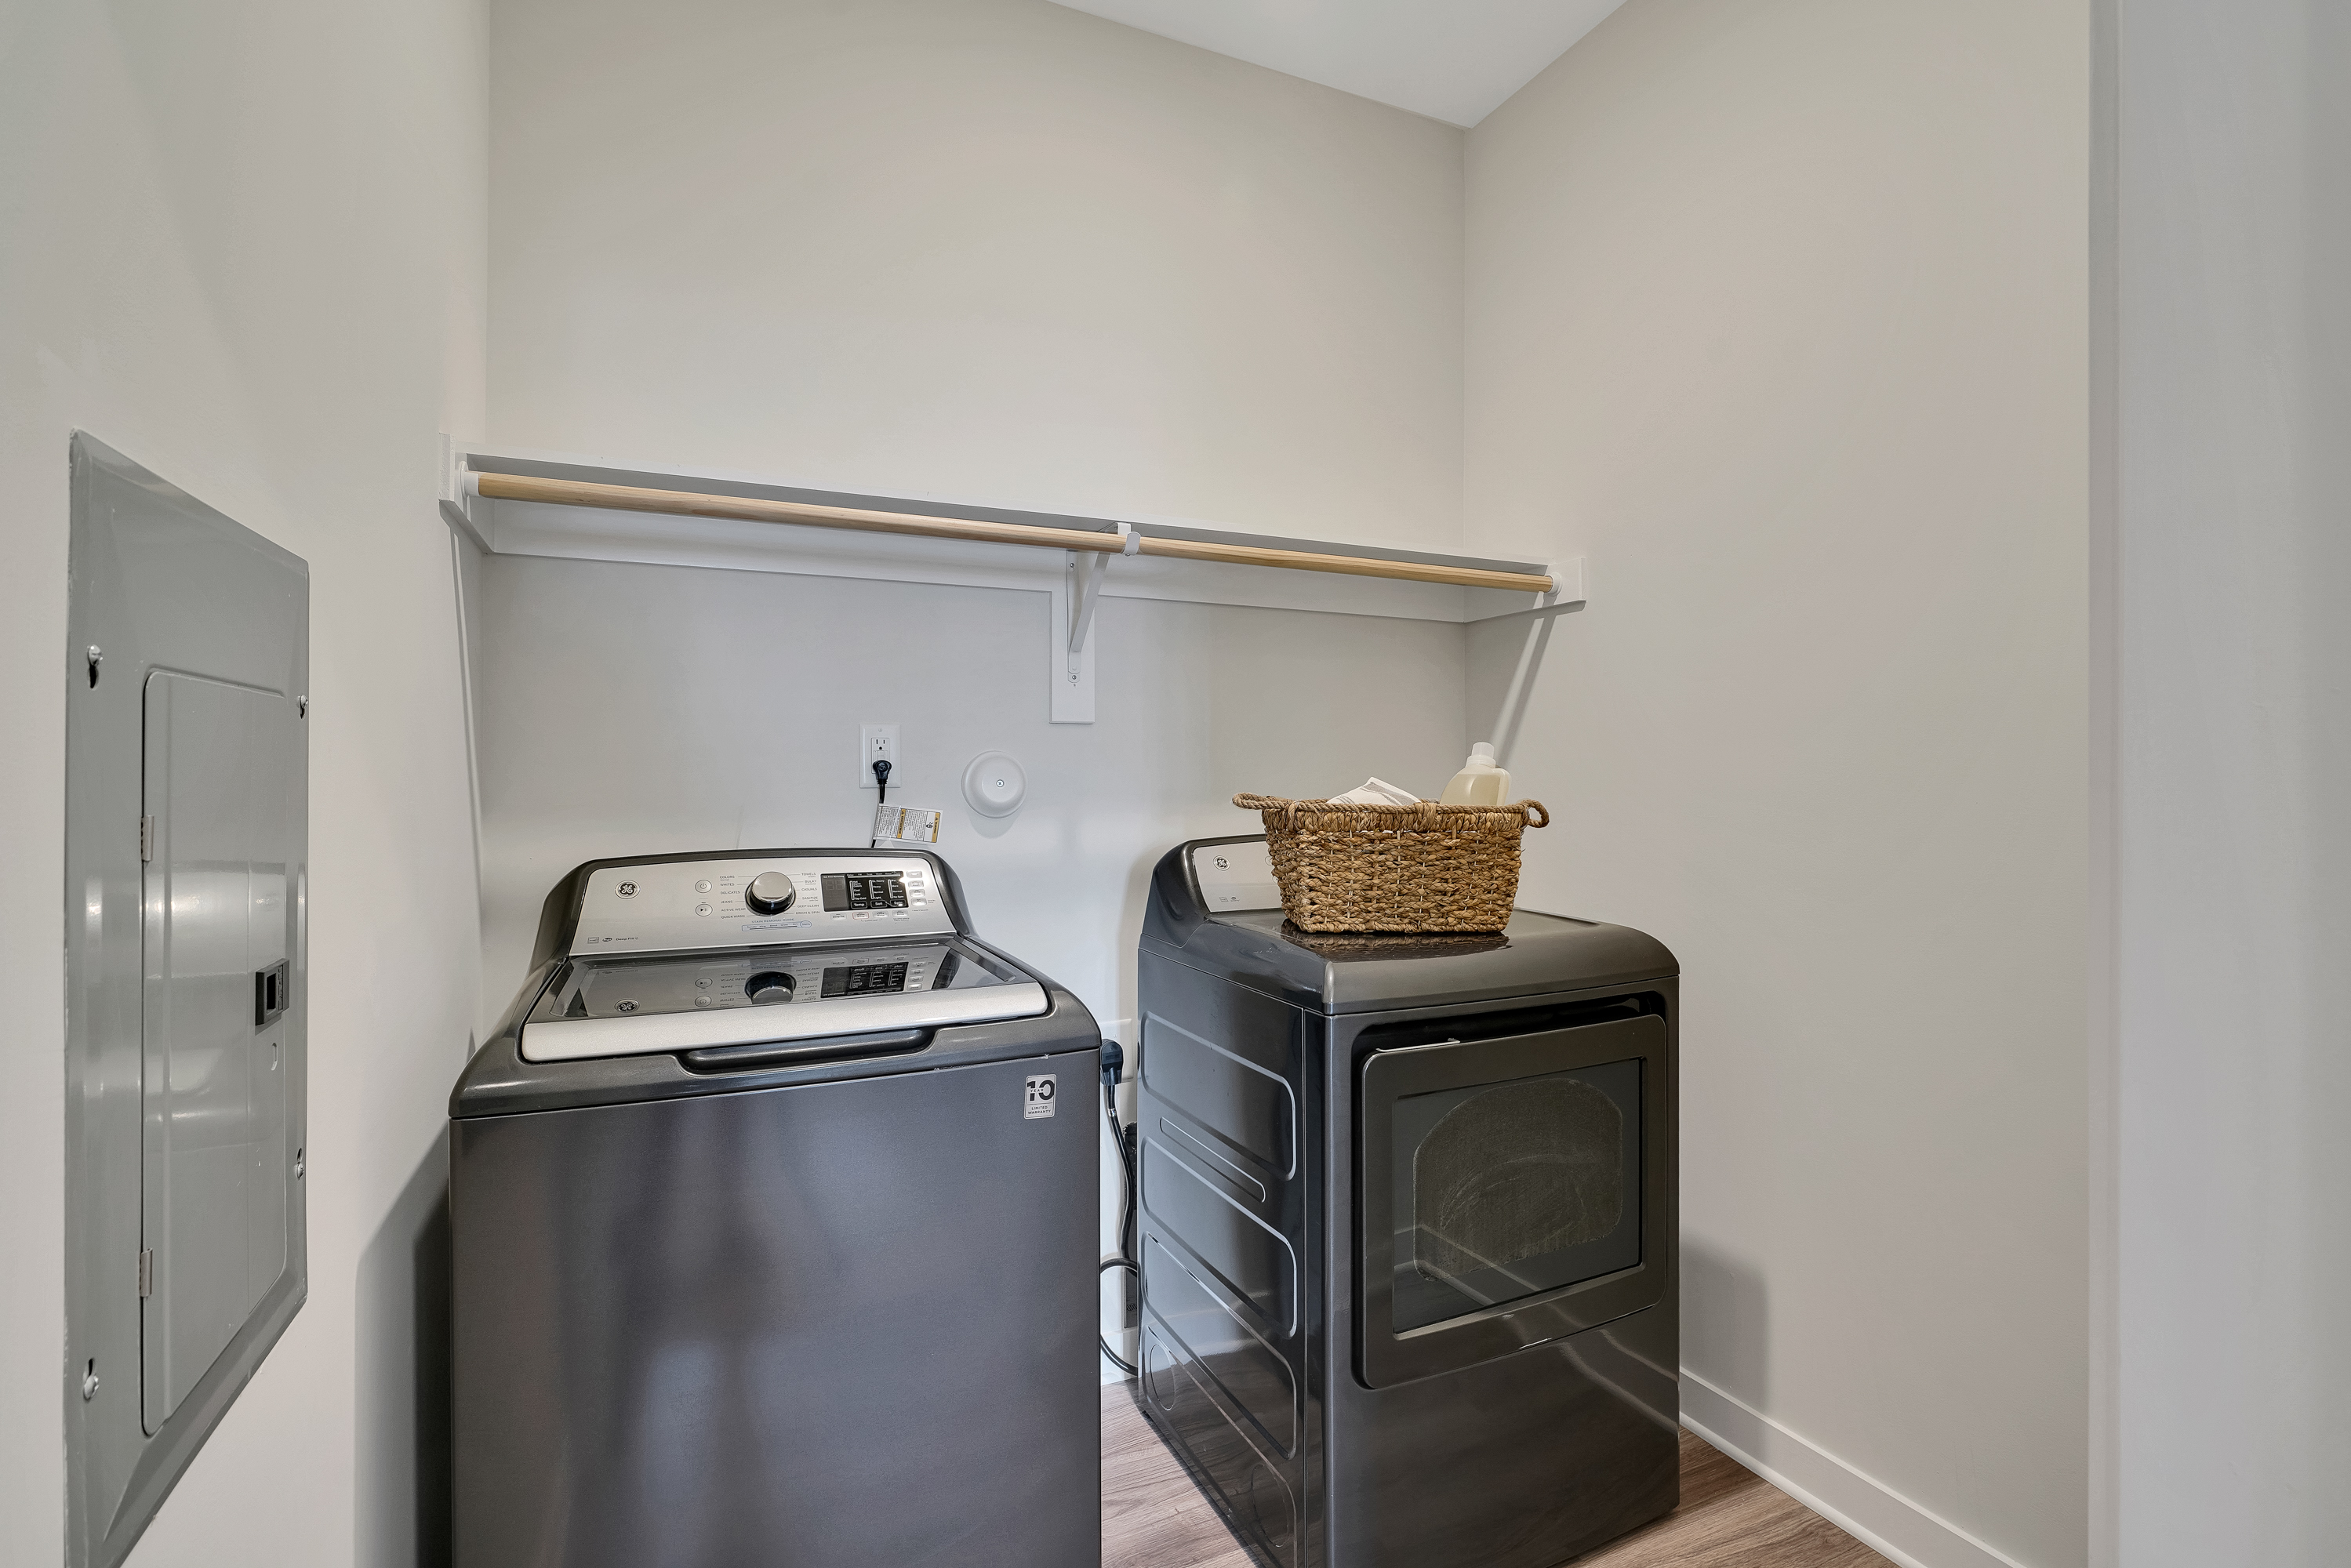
(1454, 60)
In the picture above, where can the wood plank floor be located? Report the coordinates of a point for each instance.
(1152, 1516)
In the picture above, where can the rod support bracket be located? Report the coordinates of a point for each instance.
(1086, 570)
(1567, 586)
(460, 488)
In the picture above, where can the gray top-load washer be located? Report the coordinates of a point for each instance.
(773, 1239)
(1408, 1226)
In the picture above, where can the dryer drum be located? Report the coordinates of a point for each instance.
(1517, 1172)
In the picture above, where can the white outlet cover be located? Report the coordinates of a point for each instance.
(994, 784)
(867, 734)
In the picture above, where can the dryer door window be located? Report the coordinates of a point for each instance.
(1503, 1191)
(1511, 1192)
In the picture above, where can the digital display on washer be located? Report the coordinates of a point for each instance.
(865, 890)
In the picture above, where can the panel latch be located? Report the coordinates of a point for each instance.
(270, 987)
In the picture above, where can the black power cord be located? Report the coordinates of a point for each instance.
(881, 780)
(1113, 1060)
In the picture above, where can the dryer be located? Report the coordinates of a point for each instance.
(773, 1241)
(1408, 1226)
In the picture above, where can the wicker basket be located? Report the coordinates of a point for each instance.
(1395, 868)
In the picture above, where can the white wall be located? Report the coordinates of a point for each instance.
(244, 244)
(981, 247)
(1779, 312)
(2231, 879)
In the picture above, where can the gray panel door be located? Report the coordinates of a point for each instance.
(219, 759)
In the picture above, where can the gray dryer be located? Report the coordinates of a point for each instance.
(1407, 1227)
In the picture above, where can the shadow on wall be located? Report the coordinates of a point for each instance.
(1726, 1323)
(1511, 705)
(404, 1376)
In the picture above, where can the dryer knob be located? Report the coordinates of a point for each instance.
(770, 893)
(768, 987)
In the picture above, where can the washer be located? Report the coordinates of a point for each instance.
(1408, 1221)
(773, 1240)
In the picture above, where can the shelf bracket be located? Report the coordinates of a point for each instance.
(1086, 570)
(1077, 594)
(1087, 567)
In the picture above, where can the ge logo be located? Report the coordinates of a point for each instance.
(1036, 1096)
(1220, 864)
(628, 890)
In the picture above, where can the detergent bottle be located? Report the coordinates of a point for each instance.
(1481, 782)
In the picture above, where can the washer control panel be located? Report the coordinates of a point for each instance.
(757, 901)
(1235, 876)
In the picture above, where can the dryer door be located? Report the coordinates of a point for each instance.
(1509, 1192)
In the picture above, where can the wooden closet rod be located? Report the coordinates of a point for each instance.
(688, 504)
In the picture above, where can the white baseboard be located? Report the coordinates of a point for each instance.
(1863, 1507)
(1854, 1502)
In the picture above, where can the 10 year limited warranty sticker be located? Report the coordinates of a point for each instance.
(1038, 1098)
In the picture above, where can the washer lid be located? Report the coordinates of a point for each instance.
(631, 1006)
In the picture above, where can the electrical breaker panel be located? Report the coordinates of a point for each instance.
(186, 848)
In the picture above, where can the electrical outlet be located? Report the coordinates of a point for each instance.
(876, 743)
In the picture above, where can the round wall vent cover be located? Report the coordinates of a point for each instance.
(994, 784)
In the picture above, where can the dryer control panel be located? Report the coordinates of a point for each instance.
(757, 901)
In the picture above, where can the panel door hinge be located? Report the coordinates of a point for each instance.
(146, 840)
(147, 1273)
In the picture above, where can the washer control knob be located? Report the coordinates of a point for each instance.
(770, 893)
(768, 987)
